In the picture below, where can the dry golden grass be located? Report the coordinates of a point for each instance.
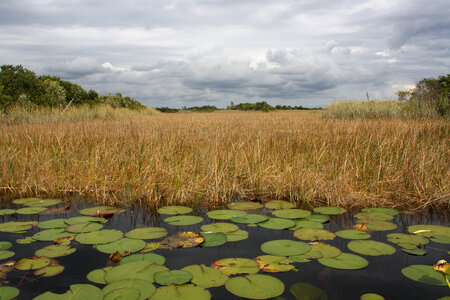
(211, 158)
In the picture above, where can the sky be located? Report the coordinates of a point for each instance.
(210, 52)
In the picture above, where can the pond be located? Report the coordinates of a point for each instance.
(386, 254)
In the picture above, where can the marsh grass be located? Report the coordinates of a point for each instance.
(211, 158)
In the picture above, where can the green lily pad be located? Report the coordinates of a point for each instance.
(291, 213)
(441, 239)
(371, 296)
(345, 261)
(424, 274)
(4, 254)
(25, 240)
(225, 214)
(279, 204)
(374, 216)
(98, 275)
(41, 202)
(30, 210)
(84, 227)
(277, 223)
(307, 291)
(415, 251)
(123, 293)
(285, 247)
(320, 250)
(8, 292)
(123, 245)
(255, 286)
(76, 292)
(104, 236)
(250, 219)
(379, 225)
(329, 210)
(233, 266)
(172, 277)
(220, 227)
(206, 277)
(53, 251)
(183, 220)
(147, 233)
(150, 257)
(405, 240)
(302, 223)
(303, 258)
(84, 219)
(7, 211)
(174, 210)
(24, 201)
(52, 224)
(318, 218)
(33, 263)
(352, 234)
(313, 234)
(213, 239)
(49, 271)
(145, 289)
(388, 211)
(184, 240)
(245, 205)
(144, 270)
(16, 226)
(430, 230)
(5, 245)
(369, 247)
(94, 210)
(185, 292)
(274, 263)
(51, 234)
(236, 236)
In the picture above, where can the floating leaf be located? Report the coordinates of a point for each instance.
(415, 251)
(41, 202)
(76, 292)
(345, 261)
(291, 213)
(98, 275)
(123, 246)
(84, 227)
(319, 250)
(441, 239)
(145, 289)
(93, 210)
(150, 257)
(285, 247)
(303, 258)
(123, 293)
(220, 227)
(313, 234)
(238, 235)
(318, 218)
(53, 251)
(172, 277)
(233, 266)
(51, 234)
(277, 223)
(66, 240)
(329, 210)
(147, 233)
(5, 245)
(255, 286)
(185, 292)
(213, 239)
(8, 292)
(4, 254)
(144, 270)
(279, 204)
(408, 241)
(430, 230)
(33, 263)
(24, 201)
(206, 277)
(250, 219)
(302, 223)
(388, 211)
(371, 296)
(30, 210)
(184, 240)
(369, 247)
(245, 205)
(16, 226)
(51, 224)
(225, 214)
(99, 237)
(379, 225)
(84, 219)
(424, 274)
(374, 216)
(183, 220)
(174, 210)
(352, 234)
(49, 271)
(307, 291)
(274, 263)
(7, 212)
(25, 240)
(152, 246)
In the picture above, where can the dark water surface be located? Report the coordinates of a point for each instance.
(382, 276)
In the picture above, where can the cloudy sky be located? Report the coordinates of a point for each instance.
(210, 52)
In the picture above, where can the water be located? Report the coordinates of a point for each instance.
(382, 276)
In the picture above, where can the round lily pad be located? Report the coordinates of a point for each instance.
(98, 275)
(313, 234)
(307, 291)
(25, 240)
(279, 204)
(8, 292)
(303, 258)
(184, 240)
(53, 251)
(76, 292)
(41, 202)
(145, 288)
(33, 263)
(424, 274)
(123, 245)
(144, 270)
(225, 214)
(441, 239)
(30, 210)
(369, 247)
(24, 201)
(379, 225)
(51, 234)
(84, 219)
(255, 286)
(94, 210)
(49, 271)
(7, 211)
(4, 254)
(277, 223)
(318, 218)
(374, 216)
(345, 261)
(430, 230)
(185, 292)
(250, 219)
(329, 210)
(206, 277)
(303, 223)
(405, 240)
(84, 227)
(415, 251)
(151, 257)
(55, 223)
(371, 296)
(99, 237)
(174, 210)
(388, 211)
(291, 213)
(128, 293)
(285, 247)
(5, 245)
(220, 227)
(238, 235)
(147, 233)
(233, 266)
(16, 226)
(274, 263)
(320, 250)
(213, 239)
(172, 277)
(183, 220)
(352, 234)
(245, 205)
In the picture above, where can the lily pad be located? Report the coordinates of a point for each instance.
(285, 247)
(7, 211)
(84, 219)
(24, 201)
(313, 234)
(51, 234)
(41, 202)
(183, 220)
(388, 211)
(441, 239)
(172, 277)
(144, 270)
(152, 246)
(279, 204)
(250, 219)
(303, 258)
(16, 226)
(151, 257)
(378, 225)
(291, 213)
(104, 236)
(255, 286)
(225, 214)
(84, 227)
(318, 218)
(320, 250)
(329, 210)
(25, 240)
(374, 216)
(408, 241)
(233, 266)
(147, 233)
(352, 234)
(4, 254)
(94, 210)
(245, 205)
(430, 230)
(30, 210)
(184, 240)
(174, 210)
(371, 296)
(369, 247)
(52, 224)
(33, 263)
(145, 288)
(98, 275)
(53, 251)
(123, 293)
(274, 263)
(424, 274)
(8, 292)
(5, 245)
(49, 271)
(307, 291)
(206, 277)
(123, 245)
(303, 223)
(236, 236)
(213, 239)
(277, 223)
(345, 261)
(220, 227)
(76, 292)
(185, 292)
(415, 251)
